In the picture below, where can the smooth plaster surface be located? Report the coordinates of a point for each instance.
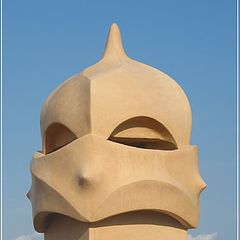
(116, 140)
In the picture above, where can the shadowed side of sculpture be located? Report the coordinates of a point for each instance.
(124, 225)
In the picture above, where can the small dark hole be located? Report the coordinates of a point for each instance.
(146, 143)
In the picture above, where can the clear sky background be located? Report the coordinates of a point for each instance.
(45, 42)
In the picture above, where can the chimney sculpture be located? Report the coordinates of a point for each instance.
(116, 162)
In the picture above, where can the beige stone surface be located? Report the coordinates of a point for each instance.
(116, 161)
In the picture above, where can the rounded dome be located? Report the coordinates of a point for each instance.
(116, 89)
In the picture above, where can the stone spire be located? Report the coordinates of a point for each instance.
(114, 47)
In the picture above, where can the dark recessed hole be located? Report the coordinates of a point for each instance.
(145, 143)
(143, 132)
(57, 136)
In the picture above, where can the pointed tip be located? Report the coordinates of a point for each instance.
(115, 27)
(28, 194)
(114, 47)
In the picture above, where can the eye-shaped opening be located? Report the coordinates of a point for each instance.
(57, 136)
(143, 132)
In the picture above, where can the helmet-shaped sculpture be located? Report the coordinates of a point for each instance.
(116, 161)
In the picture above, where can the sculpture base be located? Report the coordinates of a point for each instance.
(131, 226)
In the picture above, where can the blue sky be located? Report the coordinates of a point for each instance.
(45, 42)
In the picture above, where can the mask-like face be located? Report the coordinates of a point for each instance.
(116, 139)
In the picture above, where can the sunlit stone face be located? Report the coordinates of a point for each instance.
(116, 139)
